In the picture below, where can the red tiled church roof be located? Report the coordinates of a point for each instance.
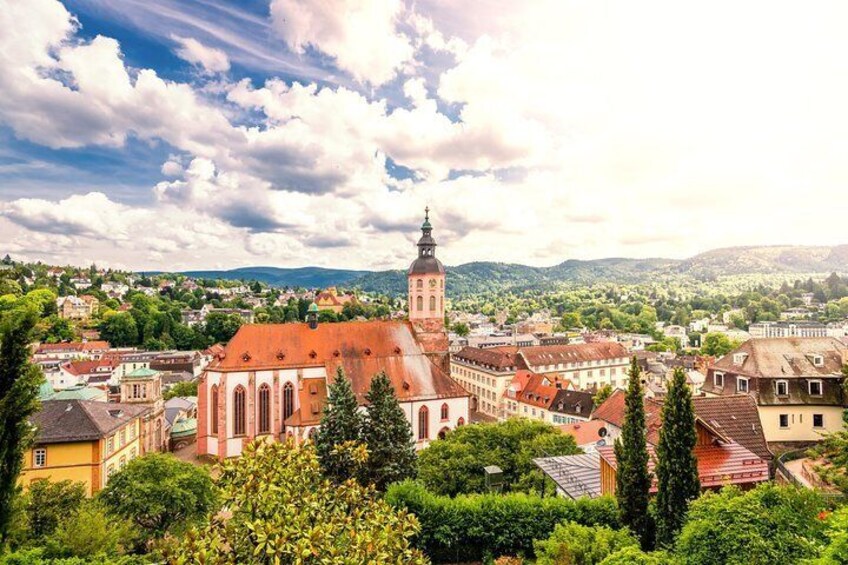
(362, 348)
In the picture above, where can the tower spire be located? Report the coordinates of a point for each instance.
(426, 225)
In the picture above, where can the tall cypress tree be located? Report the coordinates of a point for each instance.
(388, 435)
(340, 423)
(19, 383)
(677, 467)
(632, 481)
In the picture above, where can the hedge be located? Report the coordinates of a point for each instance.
(477, 526)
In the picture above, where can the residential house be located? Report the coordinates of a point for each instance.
(77, 307)
(330, 299)
(730, 448)
(83, 441)
(67, 351)
(796, 382)
(795, 328)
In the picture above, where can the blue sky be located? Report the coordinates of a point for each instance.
(175, 134)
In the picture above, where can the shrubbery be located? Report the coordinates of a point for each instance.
(770, 524)
(471, 527)
(574, 544)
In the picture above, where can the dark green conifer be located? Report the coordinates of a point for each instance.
(340, 424)
(677, 467)
(388, 436)
(633, 481)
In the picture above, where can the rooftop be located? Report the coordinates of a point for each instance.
(64, 421)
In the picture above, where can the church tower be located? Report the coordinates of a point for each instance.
(426, 279)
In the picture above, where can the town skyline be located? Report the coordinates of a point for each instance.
(182, 135)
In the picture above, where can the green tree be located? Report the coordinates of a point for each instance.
(278, 508)
(220, 327)
(632, 480)
(601, 395)
(836, 552)
(158, 493)
(89, 532)
(47, 503)
(461, 329)
(57, 329)
(677, 468)
(19, 384)
(574, 544)
(388, 437)
(341, 424)
(769, 524)
(454, 465)
(120, 330)
(717, 344)
(187, 388)
(632, 555)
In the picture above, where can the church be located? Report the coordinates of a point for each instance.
(271, 380)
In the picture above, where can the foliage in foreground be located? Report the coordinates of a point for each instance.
(159, 493)
(471, 527)
(574, 544)
(454, 465)
(277, 508)
(767, 525)
(19, 382)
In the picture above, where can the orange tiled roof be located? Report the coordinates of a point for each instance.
(313, 397)
(718, 464)
(500, 358)
(555, 354)
(584, 432)
(73, 346)
(362, 348)
(539, 391)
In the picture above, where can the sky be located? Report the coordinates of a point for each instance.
(185, 134)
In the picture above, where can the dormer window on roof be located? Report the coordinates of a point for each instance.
(245, 356)
(739, 358)
(816, 359)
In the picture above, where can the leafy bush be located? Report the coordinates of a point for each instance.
(574, 544)
(473, 527)
(767, 525)
(454, 465)
(632, 555)
(836, 553)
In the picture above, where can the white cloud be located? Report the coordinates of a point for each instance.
(361, 35)
(550, 130)
(209, 59)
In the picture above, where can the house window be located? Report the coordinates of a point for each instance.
(214, 409)
(110, 470)
(718, 379)
(741, 384)
(110, 444)
(739, 358)
(39, 457)
(445, 411)
(239, 420)
(122, 439)
(815, 388)
(423, 423)
(419, 303)
(818, 420)
(781, 388)
(123, 463)
(818, 360)
(133, 453)
(784, 420)
(288, 401)
(432, 304)
(264, 409)
(420, 283)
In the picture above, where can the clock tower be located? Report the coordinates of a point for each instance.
(426, 292)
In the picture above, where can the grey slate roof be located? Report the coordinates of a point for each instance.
(63, 421)
(576, 475)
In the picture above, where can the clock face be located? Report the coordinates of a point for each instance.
(432, 283)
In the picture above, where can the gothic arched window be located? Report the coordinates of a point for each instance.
(264, 409)
(239, 414)
(288, 401)
(460, 422)
(432, 304)
(214, 408)
(423, 423)
(419, 303)
(445, 411)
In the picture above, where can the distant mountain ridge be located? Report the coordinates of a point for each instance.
(477, 276)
